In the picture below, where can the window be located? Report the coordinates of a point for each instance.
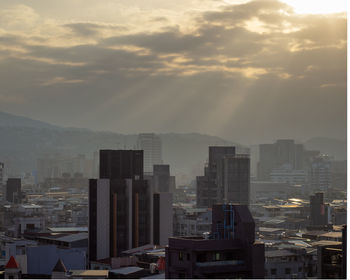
(188, 257)
(300, 269)
(273, 271)
(217, 256)
(181, 257)
(287, 270)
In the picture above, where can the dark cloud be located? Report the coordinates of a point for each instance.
(287, 79)
(93, 30)
(268, 11)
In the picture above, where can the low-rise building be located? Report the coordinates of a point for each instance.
(230, 253)
(285, 264)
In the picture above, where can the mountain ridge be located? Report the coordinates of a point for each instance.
(24, 140)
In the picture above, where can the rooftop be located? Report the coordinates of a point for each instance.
(271, 230)
(59, 267)
(278, 253)
(332, 234)
(325, 243)
(68, 229)
(91, 273)
(74, 237)
(12, 263)
(126, 270)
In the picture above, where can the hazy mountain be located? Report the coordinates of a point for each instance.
(9, 120)
(23, 140)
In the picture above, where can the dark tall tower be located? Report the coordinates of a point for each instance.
(318, 210)
(13, 190)
(119, 205)
(216, 154)
(121, 164)
(226, 178)
(235, 171)
(1, 176)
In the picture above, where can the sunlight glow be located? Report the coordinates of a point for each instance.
(317, 7)
(307, 6)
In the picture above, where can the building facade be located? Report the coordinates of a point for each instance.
(320, 174)
(231, 251)
(318, 210)
(226, 178)
(151, 144)
(284, 151)
(13, 190)
(162, 218)
(119, 205)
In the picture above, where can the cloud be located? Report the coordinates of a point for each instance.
(248, 71)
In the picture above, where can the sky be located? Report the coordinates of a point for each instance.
(247, 71)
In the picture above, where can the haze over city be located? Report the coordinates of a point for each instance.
(186, 139)
(250, 72)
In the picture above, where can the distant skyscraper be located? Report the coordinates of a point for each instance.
(320, 174)
(95, 164)
(152, 150)
(235, 171)
(161, 186)
(2, 177)
(162, 181)
(13, 190)
(280, 153)
(286, 174)
(119, 205)
(226, 178)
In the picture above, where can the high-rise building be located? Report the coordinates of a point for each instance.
(286, 174)
(13, 190)
(282, 152)
(235, 170)
(119, 205)
(151, 145)
(230, 251)
(162, 181)
(2, 177)
(320, 174)
(121, 164)
(162, 218)
(318, 210)
(226, 178)
(162, 186)
(207, 192)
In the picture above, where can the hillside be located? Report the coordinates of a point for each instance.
(23, 140)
